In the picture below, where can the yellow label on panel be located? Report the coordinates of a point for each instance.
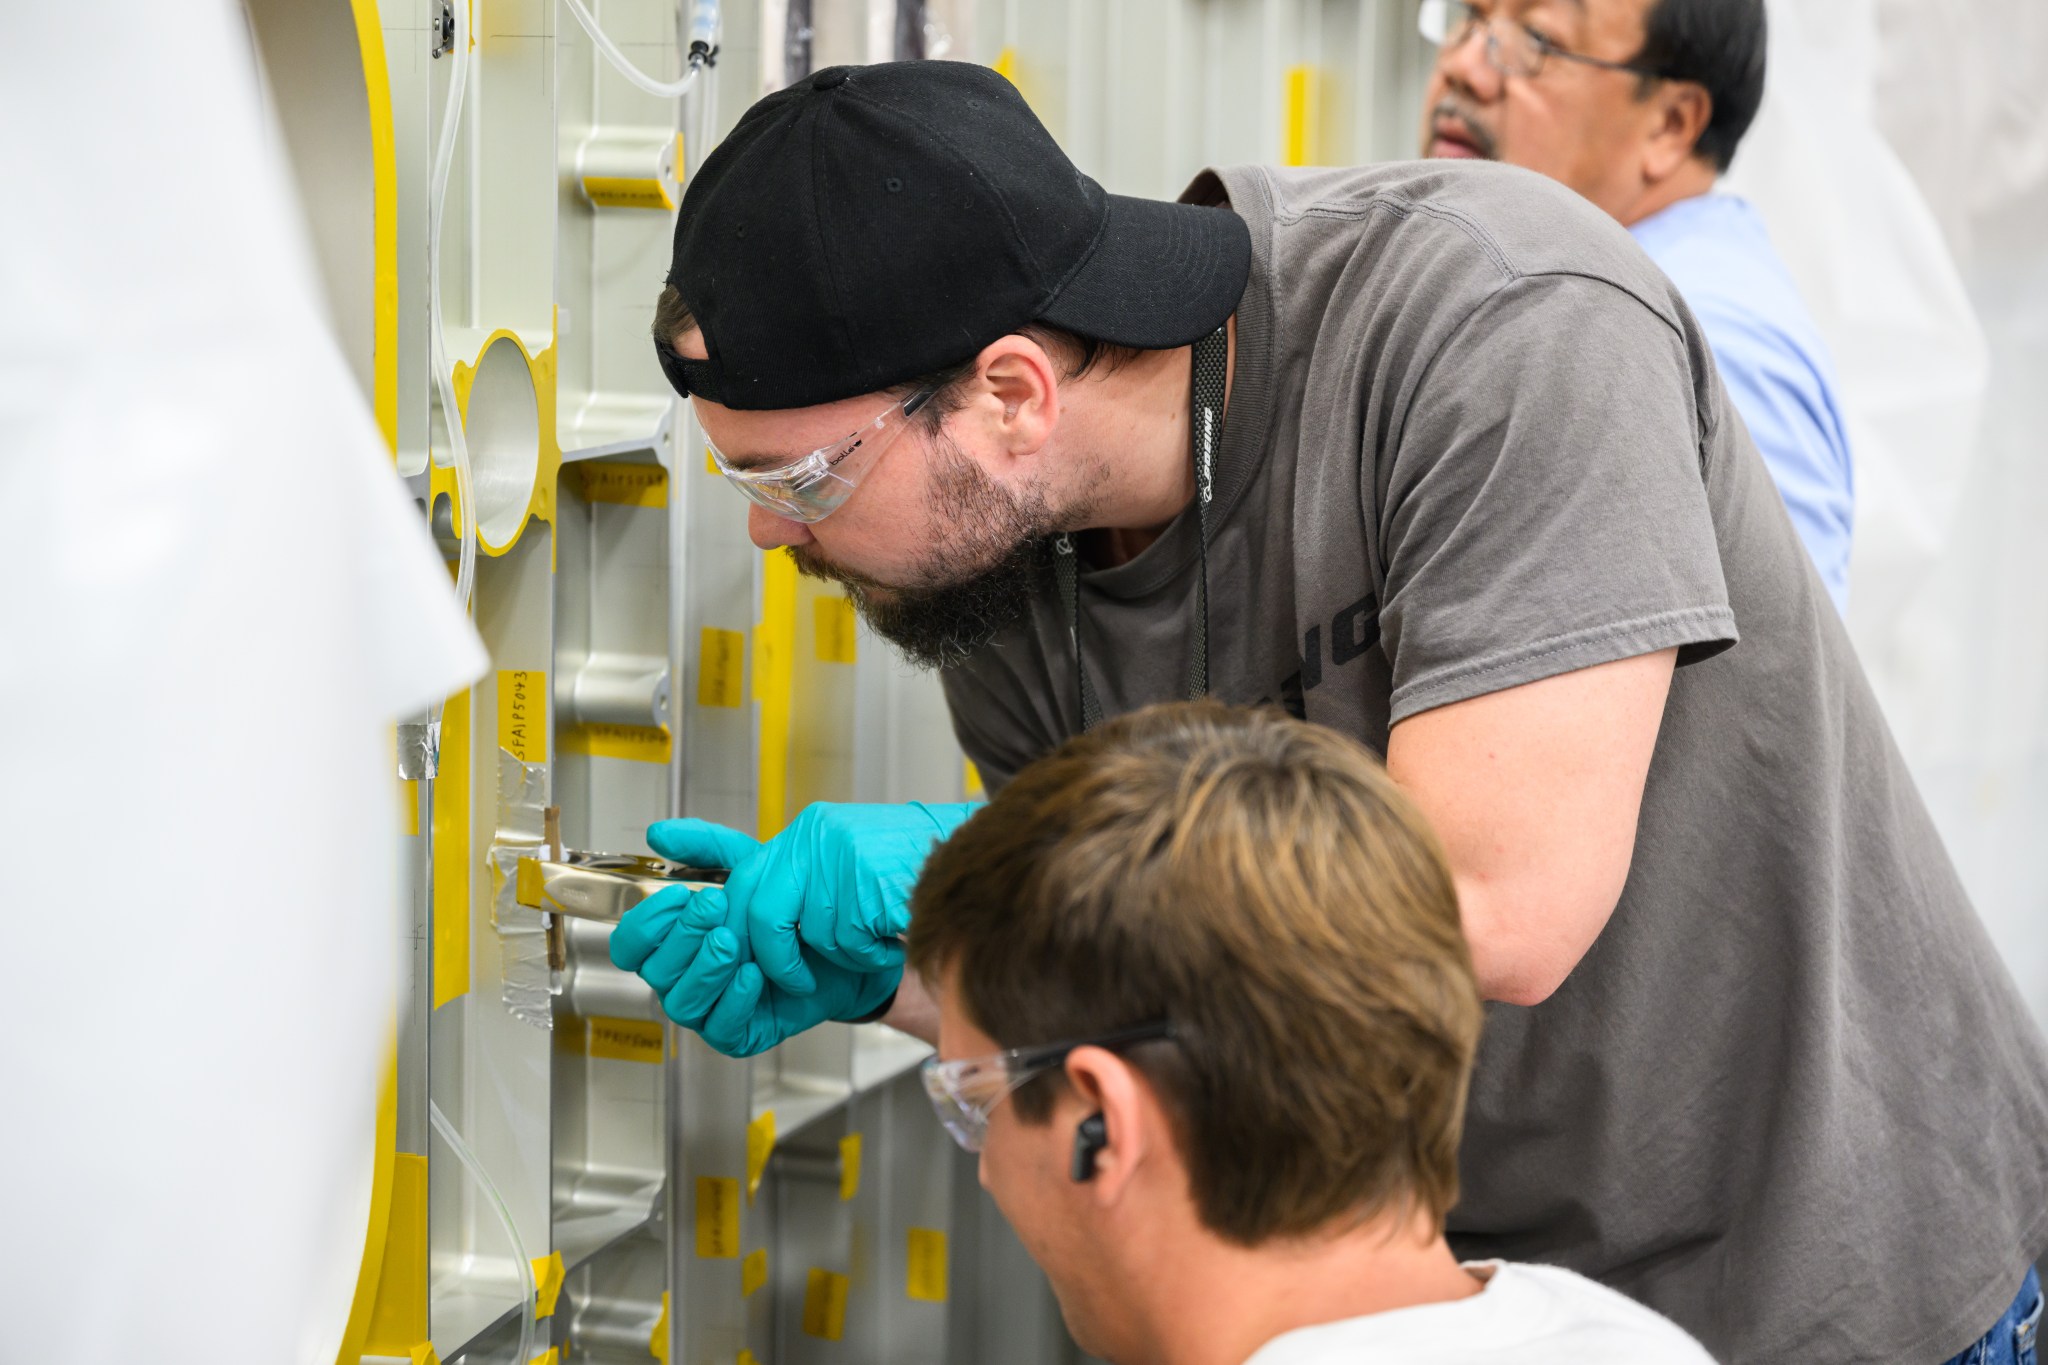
(451, 855)
(548, 1274)
(623, 485)
(718, 1218)
(637, 743)
(408, 807)
(625, 1040)
(927, 1270)
(551, 1356)
(721, 667)
(825, 1305)
(626, 192)
(1006, 64)
(835, 630)
(523, 714)
(657, 1340)
(977, 790)
(711, 462)
(760, 1142)
(682, 161)
(849, 1166)
(745, 1357)
(753, 1272)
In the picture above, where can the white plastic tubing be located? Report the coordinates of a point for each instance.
(444, 377)
(490, 1189)
(703, 32)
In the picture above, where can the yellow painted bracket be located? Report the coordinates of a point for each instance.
(548, 1274)
(540, 505)
(774, 688)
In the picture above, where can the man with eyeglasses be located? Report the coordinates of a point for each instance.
(1639, 105)
(1432, 455)
(1255, 1171)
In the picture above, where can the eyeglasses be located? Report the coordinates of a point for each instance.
(811, 487)
(966, 1091)
(1512, 49)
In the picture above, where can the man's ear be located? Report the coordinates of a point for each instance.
(1017, 395)
(1679, 114)
(1104, 1084)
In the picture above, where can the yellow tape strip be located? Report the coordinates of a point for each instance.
(623, 485)
(635, 743)
(523, 714)
(849, 1166)
(451, 854)
(1301, 144)
(834, 627)
(774, 688)
(548, 1274)
(927, 1265)
(623, 192)
(825, 1305)
(753, 1272)
(721, 667)
(760, 1143)
(626, 1040)
(718, 1218)
(657, 1340)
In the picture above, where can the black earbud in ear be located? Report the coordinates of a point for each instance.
(1091, 1135)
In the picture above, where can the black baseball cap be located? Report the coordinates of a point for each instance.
(871, 224)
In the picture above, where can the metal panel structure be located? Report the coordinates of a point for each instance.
(670, 1203)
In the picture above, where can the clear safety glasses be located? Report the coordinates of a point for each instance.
(964, 1092)
(1512, 49)
(811, 487)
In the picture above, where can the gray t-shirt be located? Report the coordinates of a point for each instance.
(1790, 1098)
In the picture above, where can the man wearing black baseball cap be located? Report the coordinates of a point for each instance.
(1433, 455)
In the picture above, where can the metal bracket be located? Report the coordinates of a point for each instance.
(441, 23)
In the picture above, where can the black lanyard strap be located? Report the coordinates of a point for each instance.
(1205, 422)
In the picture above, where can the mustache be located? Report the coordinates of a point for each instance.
(1449, 108)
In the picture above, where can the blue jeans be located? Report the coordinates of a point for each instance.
(2011, 1339)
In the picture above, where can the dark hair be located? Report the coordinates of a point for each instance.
(1076, 353)
(1263, 884)
(1717, 44)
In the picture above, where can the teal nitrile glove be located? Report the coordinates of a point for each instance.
(833, 888)
(743, 1014)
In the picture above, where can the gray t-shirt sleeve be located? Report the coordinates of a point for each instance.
(1544, 509)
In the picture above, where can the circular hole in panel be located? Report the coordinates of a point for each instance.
(504, 440)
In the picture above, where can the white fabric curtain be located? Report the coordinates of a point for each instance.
(1901, 161)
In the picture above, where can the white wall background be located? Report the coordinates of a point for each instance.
(1901, 160)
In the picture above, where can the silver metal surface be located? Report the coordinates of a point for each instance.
(603, 886)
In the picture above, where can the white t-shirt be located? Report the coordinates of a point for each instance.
(1526, 1315)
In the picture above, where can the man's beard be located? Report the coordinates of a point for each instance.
(994, 556)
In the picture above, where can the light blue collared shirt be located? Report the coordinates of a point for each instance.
(1772, 360)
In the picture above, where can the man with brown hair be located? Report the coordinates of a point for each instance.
(1212, 959)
